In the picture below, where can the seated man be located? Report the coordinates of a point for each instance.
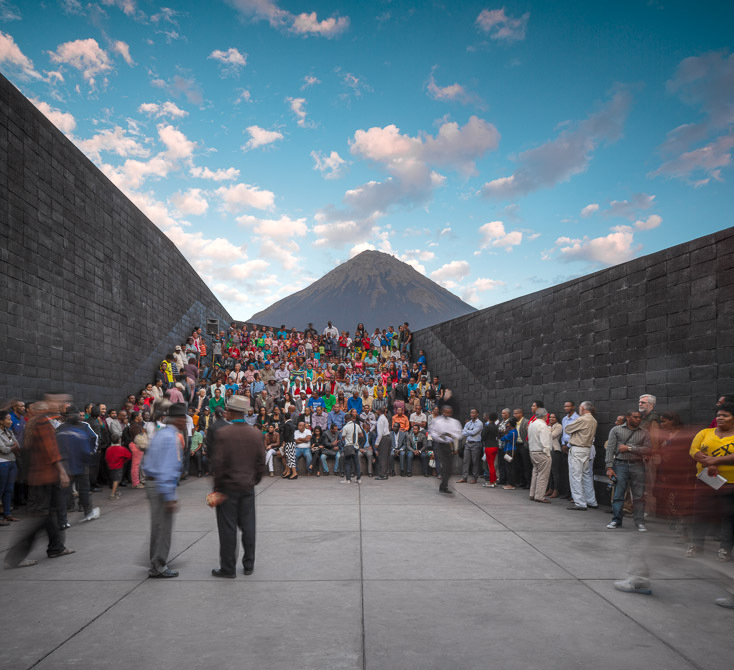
(302, 438)
(415, 447)
(332, 448)
(401, 419)
(398, 445)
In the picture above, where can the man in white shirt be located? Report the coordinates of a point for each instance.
(302, 438)
(382, 445)
(445, 432)
(539, 443)
(472, 449)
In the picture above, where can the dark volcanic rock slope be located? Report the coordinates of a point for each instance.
(374, 288)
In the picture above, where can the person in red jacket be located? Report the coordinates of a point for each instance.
(116, 457)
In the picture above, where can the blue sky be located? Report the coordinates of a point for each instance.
(499, 149)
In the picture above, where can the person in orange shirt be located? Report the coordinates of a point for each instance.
(402, 420)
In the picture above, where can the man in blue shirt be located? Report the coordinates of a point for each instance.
(162, 467)
(564, 490)
(336, 418)
(316, 401)
(355, 402)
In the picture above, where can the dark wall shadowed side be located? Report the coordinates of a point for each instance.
(662, 324)
(92, 294)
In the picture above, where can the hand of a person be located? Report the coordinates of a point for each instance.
(623, 447)
(712, 470)
(63, 480)
(611, 473)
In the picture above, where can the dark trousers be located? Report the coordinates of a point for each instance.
(559, 473)
(237, 511)
(502, 468)
(524, 470)
(384, 456)
(186, 459)
(444, 455)
(45, 497)
(351, 464)
(714, 512)
(65, 497)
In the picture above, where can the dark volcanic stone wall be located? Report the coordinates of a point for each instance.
(92, 294)
(662, 324)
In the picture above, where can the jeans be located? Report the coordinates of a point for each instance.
(8, 472)
(632, 473)
(330, 453)
(161, 527)
(368, 454)
(406, 461)
(306, 453)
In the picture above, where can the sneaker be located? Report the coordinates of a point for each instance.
(642, 527)
(113, 496)
(634, 585)
(346, 481)
(614, 524)
(359, 481)
(94, 514)
(487, 485)
(693, 551)
(724, 555)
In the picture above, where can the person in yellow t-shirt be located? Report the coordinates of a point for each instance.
(713, 449)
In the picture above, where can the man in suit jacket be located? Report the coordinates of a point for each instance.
(389, 447)
(239, 464)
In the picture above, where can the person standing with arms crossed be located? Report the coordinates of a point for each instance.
(239, 464)
(162, 467)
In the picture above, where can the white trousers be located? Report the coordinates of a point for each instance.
(581, 475)
(269, 458)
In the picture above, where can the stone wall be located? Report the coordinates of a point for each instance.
(92, 294)
(661, 324)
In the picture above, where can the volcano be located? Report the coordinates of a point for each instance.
(373, 288)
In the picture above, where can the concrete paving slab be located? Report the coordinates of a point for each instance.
(682, 613)
(298, 556)
(474, 555)
(50, 613)
(310, 491)
(604, 555)
(99, 556)
(181, 625)
(294, 518)
(409, 517)
(402, 491)
(526, 515)
(554, 625)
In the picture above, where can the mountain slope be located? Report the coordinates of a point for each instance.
(374, 288)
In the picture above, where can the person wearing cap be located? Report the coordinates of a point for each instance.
(239, 464)
(162, 468)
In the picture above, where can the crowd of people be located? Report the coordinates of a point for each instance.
(348, 404)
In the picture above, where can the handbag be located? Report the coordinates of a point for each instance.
(509, 457)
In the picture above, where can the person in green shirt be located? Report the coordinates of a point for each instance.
(329, 400)
(197, 451)
(216, 401)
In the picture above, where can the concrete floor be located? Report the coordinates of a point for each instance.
(386, 575)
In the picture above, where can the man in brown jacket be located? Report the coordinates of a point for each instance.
(239, 464)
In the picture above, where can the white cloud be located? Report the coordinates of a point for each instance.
(241, 196)
(163, 109)
(220, 174)
(245, 96)
(310, 80)
(283, 251)
(302, 24)
(453, 93)
(355, 84)
(652, 221)
(445, 231)
(177, 144)
(617, 247)
(8, 11)
(231, 61)
(471, 292)
(308, 24)
(418, 254)
(259, 137)
(569, 154)
(84, 55)
(133, 173)
(493, 234)
(500, 26)
(248, 269)
(297, 107)
(593, 208)
(331, 166)
(192, 202)
(123, 49)
(411, 181)
(283, 228)
(64, 121)
(127, 6)
(181, 86)
(451, 271)
(705, 82)
(11, 55)
(113, 140)
(629, 209)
